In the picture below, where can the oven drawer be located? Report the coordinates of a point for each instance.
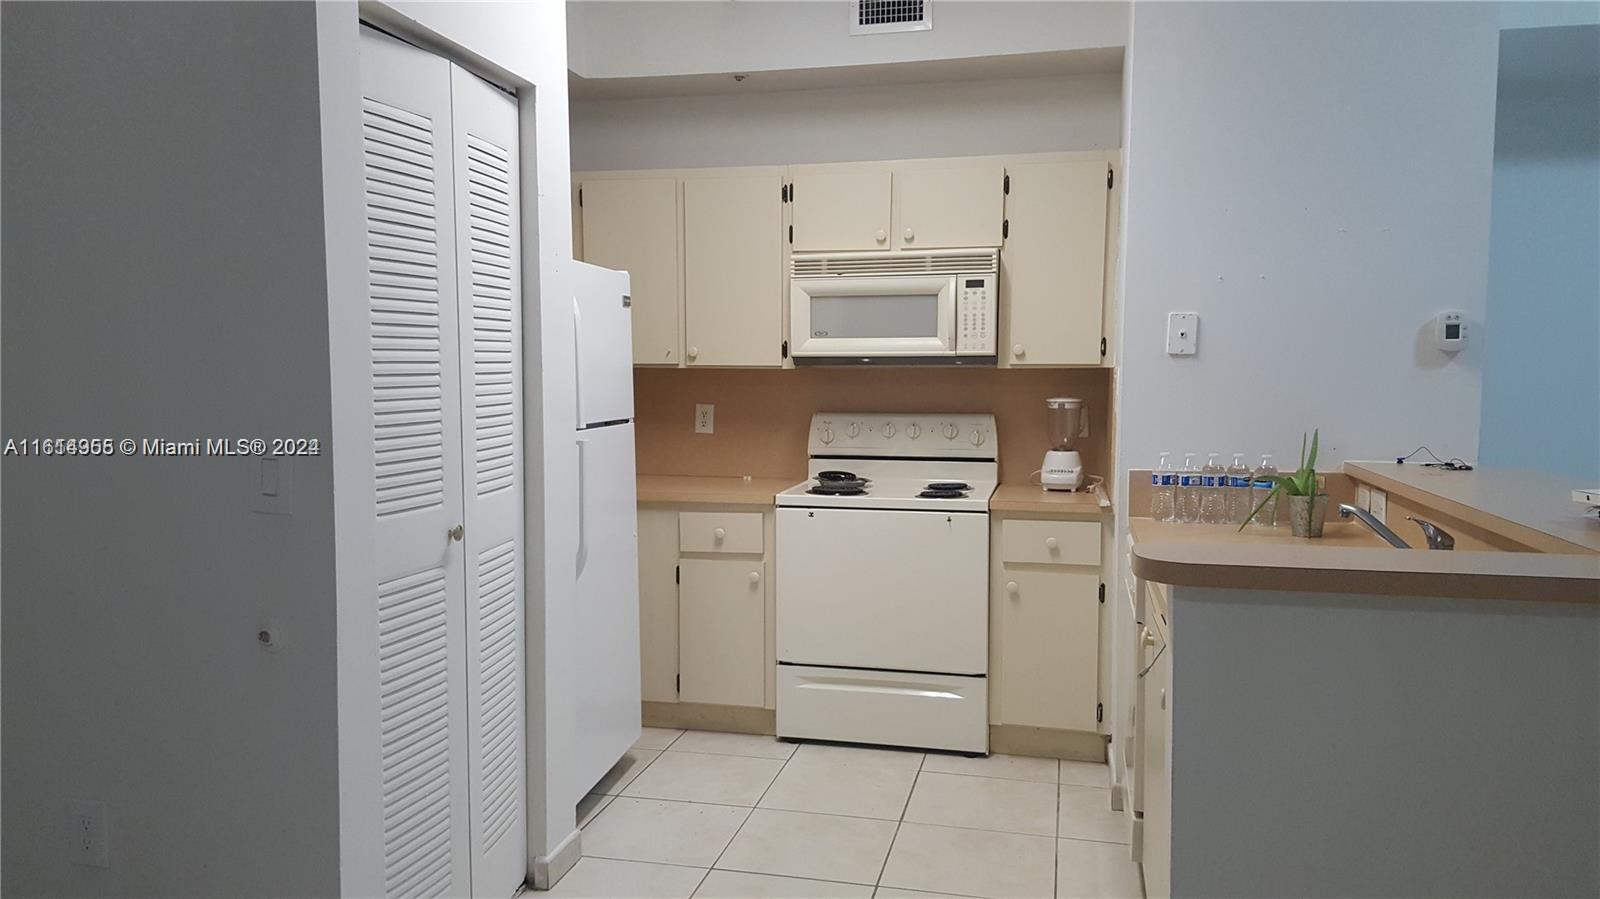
(719, 532)
(1050, 542)
(894, 708)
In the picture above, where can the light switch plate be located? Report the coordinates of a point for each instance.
(274, 487)
(705, 418)
(1183, 333)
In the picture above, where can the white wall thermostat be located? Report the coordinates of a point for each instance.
(1450, 331)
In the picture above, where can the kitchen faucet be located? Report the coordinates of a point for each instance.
(1437, 537)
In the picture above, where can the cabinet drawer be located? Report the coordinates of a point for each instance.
(1050, 542)
(719, 532)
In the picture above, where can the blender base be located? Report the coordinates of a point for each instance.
(1062, 470)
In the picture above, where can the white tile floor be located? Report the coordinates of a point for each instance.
(733, 816)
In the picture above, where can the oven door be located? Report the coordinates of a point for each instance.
(872, 317)
(884, 589)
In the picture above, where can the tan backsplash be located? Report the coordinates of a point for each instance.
(763, 416)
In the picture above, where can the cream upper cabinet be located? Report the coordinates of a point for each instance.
(721, 627)
(658, 604)
(1052, 266)
(938, 208)
(632, 224)
(1050, 642)
(733, 270)
(841, 208)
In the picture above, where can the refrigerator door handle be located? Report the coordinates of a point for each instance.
(577, 361)
(583, 535)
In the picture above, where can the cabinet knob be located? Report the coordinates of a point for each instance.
(1011, 587)
(1051, 543)
(693, 352)
(910, 235)
(1017, 350)
(881, 236)
(719, 533)
(755, 577)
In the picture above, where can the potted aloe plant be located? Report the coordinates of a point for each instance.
(1308, 509)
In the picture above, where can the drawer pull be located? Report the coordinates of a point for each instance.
(720, 534)
(1052, 543)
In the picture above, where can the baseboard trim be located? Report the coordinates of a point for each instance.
(549, 869)
(704, 716)
(1047, 742)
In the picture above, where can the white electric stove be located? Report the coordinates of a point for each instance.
(882, 591)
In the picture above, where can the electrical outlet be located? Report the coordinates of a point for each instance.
(1379, 505)
(704, 418)
(87, 842)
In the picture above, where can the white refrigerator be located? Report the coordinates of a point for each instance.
(607, 563)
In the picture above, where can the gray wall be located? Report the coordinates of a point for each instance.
(164, 276)
(1541, 373)
(909, 121)
(1343, 746)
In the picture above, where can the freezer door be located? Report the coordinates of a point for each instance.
(603, 336)
(607, 600)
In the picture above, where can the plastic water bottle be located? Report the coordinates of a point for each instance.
(1189, 491)
(1260, 488)
(1238, 490)
(1213, 478)
(1164, 490)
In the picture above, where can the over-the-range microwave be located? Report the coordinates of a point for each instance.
(931, 306)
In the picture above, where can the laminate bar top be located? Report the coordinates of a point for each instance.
(724, 491)
(1532, 508)
(1033, 498)
(1346, 561)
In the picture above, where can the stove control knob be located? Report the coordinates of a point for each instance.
(888, 429)
(855, 429)
(914, 431)
(951, 432)
(977, 438)
(826, 435)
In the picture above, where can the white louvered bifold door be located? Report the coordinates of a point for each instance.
(485, 134)
(416, 395)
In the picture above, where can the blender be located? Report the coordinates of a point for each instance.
(1063, 467)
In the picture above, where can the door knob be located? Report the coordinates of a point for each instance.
(694, 351)
(1011, 587)
(755, 577)
(881, 236)
(1051, 543)
(719, 533)
(910, 235)
(1017, 350)
(457, 533)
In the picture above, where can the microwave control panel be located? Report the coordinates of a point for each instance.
(977, 304)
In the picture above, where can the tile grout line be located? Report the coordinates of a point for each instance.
(1055, 845)
(878, 884)
(747, 817)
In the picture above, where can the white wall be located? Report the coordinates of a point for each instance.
(164, 276)
(973, 118)
(631, 39)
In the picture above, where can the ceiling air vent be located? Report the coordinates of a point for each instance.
(879, 16)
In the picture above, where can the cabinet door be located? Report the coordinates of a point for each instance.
(1155, 707)
(841, 209)
(722, 631)
(1052, 267)
(1050, 640)
(658, 604)
(632, 225)
(733, 270)
(953, 207)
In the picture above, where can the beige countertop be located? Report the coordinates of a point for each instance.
(737, 491)
(1530, 507)
(1033, 498)
(1348, 560)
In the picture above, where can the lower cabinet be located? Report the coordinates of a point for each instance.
(721, 623)
(706, 605)
(1045, 622)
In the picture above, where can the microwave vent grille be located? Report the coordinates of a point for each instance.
(867, 265)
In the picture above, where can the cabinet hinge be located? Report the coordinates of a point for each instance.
(1007, 187)
(783, 194)
(786, 349)
(1099, 712)
(580, 198)
(791, 234)
(1102, 594)
(1005, 228)
(1102, 348)
(677, 574)
(1110, 177)
(677, 684)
